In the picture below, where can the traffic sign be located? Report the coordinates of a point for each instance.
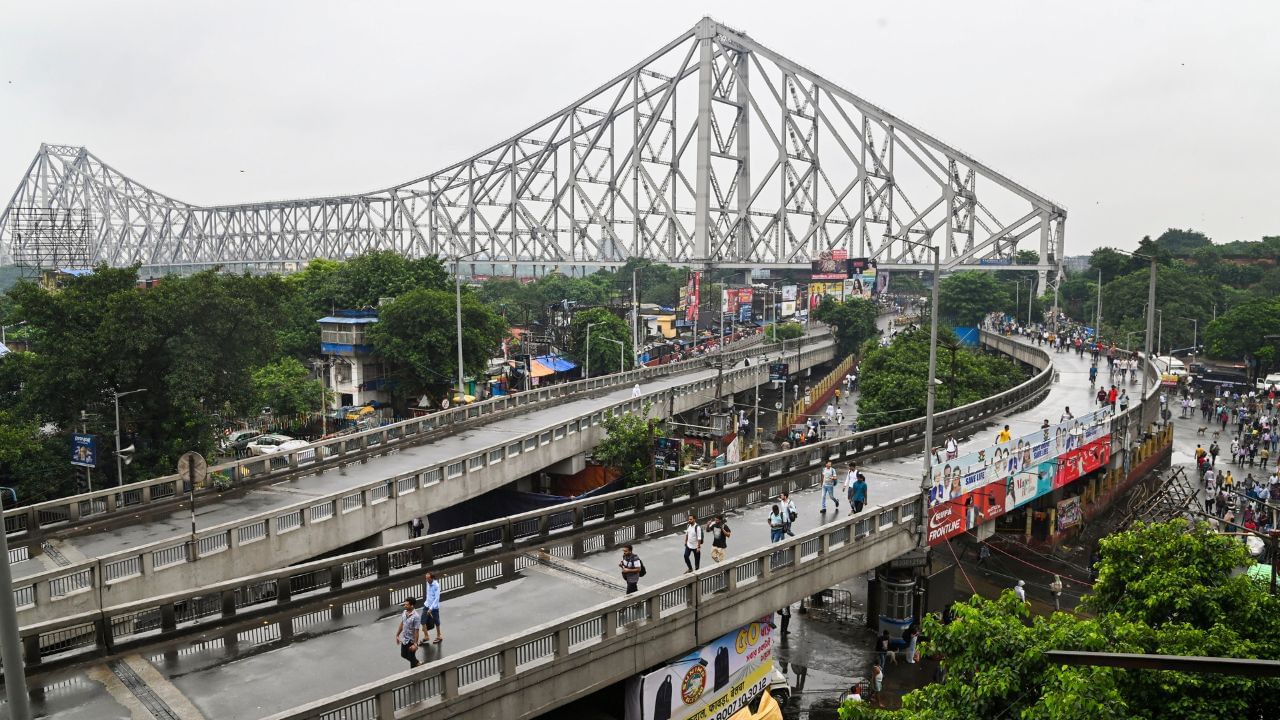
(193, 470)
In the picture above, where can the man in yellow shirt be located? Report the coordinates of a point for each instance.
(1004, 436)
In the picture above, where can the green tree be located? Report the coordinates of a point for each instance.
(853, 321)
(894, 379)
(965, 297)
(286, 386)
(783, 331)
(628, 446)
(1112, 263)
(1181, 243)
(417, 335)
(607, 332)
(364, 280)
(1241, 331)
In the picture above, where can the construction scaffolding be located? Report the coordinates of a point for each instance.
(50, 239)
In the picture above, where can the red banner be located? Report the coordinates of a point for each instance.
(1075, 464)
(966, 512)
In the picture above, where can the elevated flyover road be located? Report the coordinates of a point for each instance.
(290, 522)
(277, 629)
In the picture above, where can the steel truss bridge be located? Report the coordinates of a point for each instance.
(714, 149)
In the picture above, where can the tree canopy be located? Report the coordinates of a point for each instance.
(853, 321)
(627, 446)
(964, 298)
(1168, 588)
(607, 332)
(894, 379)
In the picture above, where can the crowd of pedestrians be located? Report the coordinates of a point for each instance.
(1242, 434)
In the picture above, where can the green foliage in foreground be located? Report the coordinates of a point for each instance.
(1166, 588)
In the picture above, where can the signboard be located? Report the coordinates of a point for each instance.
(862, 278)
(1069, 513)
(84, 450)
(981, 486)
(788, 308)
(733, 299)
(666, 454)
(692, 295)
(714, 681)
(789, 293)
(830, 265)
(779, 371)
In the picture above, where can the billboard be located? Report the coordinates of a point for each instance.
(971, 489)
(666, 454)
(1070, 513)
(778, 371)
(732, 299)
(789, 293)
(84, 450)
(691, 296)
(862, 278)
(714, 681)
(830, 265)
(788, 308)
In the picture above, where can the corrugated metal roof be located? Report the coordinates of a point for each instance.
(348, 320)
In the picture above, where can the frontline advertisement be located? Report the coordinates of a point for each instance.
(862, 278)
(710, 683)
(975, 488)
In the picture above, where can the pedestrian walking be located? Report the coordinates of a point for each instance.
(415, 527)
(882, 648)
(858, 494)
(784, 619)
(953, 448)
(407, 633)
(431, 607)
(692, 544)
(632, 568)
(1021, 590)
(789, 513)
(720, 533)
(777, 528)
(829, 486)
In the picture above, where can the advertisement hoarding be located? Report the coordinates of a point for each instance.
(830, 265)
(84, 450)
(692, 295)
(983, 485)
(1070, 513)
(714, 681)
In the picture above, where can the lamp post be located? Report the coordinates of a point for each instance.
(622, 349)
(930, 393)
(15, 679)
(635, 314)
(587, 365)
(4, 339)
(457, 294)
(1130, 334)
(120, 460)
(1195, 336)
(1098, 322)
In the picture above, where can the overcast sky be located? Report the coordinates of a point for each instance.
(1137, 116)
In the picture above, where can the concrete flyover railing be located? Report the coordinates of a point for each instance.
(314, 526)
(544, 667)
(32, 521)
(487, 551)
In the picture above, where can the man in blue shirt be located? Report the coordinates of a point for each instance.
(407, 633)
(858, 494)
(431, 607)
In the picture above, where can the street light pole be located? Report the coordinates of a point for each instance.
(930, 394)
(119, 459)
(1195, 336)
(622, 349)
(1098, 322)
(15, 678)
(1151, 320)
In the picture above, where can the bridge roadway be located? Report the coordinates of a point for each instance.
(258, 657)
(291, 521)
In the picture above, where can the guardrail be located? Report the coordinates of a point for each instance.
(69, 590)
(104, 504)
(475, 554)
(614, 625)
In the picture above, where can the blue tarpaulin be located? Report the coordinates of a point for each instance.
(557, 363)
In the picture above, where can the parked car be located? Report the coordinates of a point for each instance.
(237, 441)
(268, 444)
(291, 445)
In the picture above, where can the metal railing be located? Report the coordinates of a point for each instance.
(101, 504)
(618, 623)
(154, 557)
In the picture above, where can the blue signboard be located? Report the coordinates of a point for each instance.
(84, 450)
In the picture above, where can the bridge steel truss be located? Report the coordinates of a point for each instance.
(714, 149)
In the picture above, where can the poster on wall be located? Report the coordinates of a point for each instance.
(714, 681)
(1029, 483)
(1070, 513)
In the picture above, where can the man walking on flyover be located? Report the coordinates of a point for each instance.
(431, 607)
(692, 544)
(829, 487)
(407, 633)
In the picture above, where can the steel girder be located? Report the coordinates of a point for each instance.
(657, 162)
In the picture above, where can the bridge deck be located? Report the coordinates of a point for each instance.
(356, 648)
